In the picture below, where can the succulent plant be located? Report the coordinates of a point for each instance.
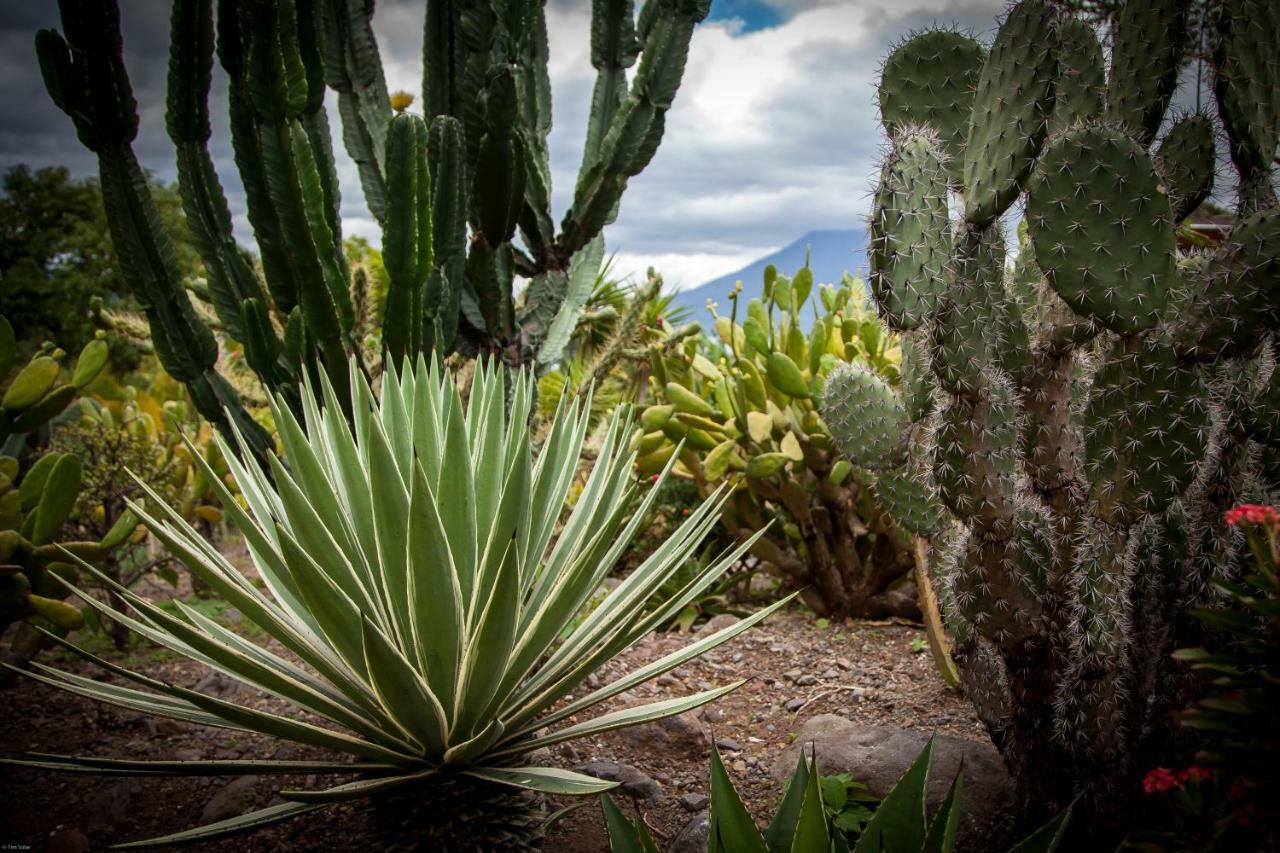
(900, 824)
(36, 502)
(476, 161)
(1099, 401)
(745, 413)
(409, 566)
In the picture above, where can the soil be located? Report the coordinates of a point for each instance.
(868, 672)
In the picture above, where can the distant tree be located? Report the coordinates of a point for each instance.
(56, 254)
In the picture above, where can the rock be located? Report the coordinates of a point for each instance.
(844, 663)
(794, 705)
(718, 623)
(694, 802)
(792, 674)
(806, 680)
(879, 755)
(692, 837)
(633, 781)
(187, 755)
(110, 806)
(683, 733)
(713, 715)
(234, 798)
(218, 685)
(68, 841)
(728, 744)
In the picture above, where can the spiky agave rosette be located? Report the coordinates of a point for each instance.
(420, 576)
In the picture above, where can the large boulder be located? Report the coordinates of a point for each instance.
(879, 755)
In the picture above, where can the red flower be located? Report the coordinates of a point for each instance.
(1194, 773)
(1158, 780)
(653, 479)
(1266, 516)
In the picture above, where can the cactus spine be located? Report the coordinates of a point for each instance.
(477, 163)
(1099, 402)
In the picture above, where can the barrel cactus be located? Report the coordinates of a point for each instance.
(451, 188)
(1089, 409)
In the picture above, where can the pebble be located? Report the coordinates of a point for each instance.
(693, 802)
(792, 674)
(844, 663)
(728, 744)
(806, 680)
(633, 781)
(794, 705)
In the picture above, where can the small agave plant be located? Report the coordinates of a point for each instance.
(421, 587)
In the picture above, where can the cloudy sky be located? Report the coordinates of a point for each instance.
(773, 133)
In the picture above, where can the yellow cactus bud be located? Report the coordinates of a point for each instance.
(401, 100)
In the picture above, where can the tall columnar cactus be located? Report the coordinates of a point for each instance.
(1087, 411)
(476, 165)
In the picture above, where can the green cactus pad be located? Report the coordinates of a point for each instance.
(964, 326)
(1247, 81)
(930, 79)
(866, 417)
(910, 234)
(1082, 82)
(31, 383)
(917, 377)
(785, 376)
(92, 359)
(1102, 228)
(975, 456)
(1146, 54)
(1185, 163)
(911, 499)
(1011, 111)
(57, 499)
(1240, 295)
(991, 585)
(1145, 429)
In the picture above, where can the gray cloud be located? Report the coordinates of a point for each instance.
(773, 133)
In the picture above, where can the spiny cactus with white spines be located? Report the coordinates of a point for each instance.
(1086, 412)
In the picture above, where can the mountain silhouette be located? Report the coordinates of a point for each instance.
(832, 254)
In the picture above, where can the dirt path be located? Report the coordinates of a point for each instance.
(797, 669)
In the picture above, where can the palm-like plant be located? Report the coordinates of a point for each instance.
(419, 575)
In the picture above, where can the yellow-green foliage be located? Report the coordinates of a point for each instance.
(745, 408)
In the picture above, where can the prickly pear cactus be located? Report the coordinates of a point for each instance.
(38, 494)
(746, 414)
(1097, 403)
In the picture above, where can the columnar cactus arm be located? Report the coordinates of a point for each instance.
(231, 277)
(84, 71)
(353, 69)
(407, 237)
(637, 126)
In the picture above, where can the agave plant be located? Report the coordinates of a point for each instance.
(419, 573)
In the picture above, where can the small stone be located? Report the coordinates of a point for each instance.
(692, 837)
(831, 673)
(792, 674)
(691, 802)
(233, 799)
(68, 841)
(794, 705)
(718, 623)
(713, 715)
(728, 744)
(739, 766)
(187, 755)
(633, 781)
(683, 733)
(806, 680)
(844, 663)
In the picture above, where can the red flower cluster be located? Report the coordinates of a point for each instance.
(1158, 780)
(1194, 773)
(1266, 516)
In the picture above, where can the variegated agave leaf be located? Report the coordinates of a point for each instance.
(423, 575)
